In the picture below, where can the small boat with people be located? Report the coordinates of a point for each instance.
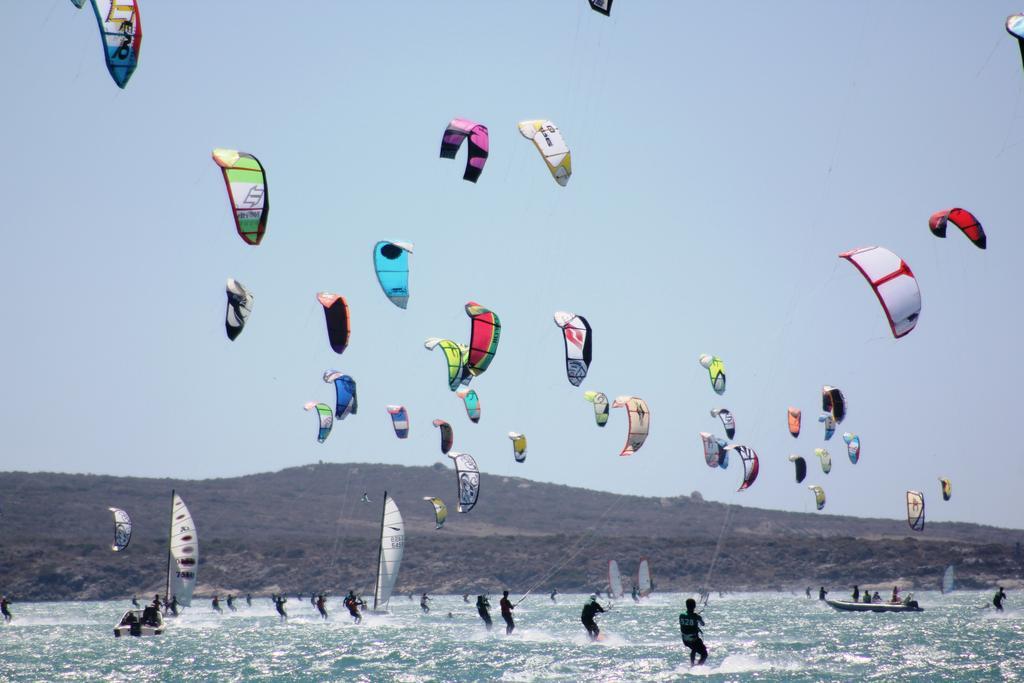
(139, 623)
(906, 605)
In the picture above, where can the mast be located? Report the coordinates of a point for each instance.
(170, 536)
(380, 549)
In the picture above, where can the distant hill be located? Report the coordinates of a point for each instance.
(304, 529)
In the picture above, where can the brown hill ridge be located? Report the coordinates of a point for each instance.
(304, 529)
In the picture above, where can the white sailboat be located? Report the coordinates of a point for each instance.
(389, 558)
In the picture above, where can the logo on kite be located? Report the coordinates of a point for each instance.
(825, 458)
(639, 422)
(391, 263)
(728, 421)
(240, 302)
(467, 475)
(578, 337)
(326, 420)
(336, 316)
(122, 530)
(518, 446)
(830, 424)
(961, 218)
(399, 420)
(852, 446)
(476, 149)
(793, 417)
(947, 488)
(716, 371)
(472, 403)
(801, 467)
(551, 145)
(447, 435)
(819, 495)
(893, 283)
(440, 511)
(247, 191)
(915, 510)
(121, 34)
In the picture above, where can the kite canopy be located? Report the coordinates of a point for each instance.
(518, 446)
(1015, 27)
(793, 417)
(323, 412)
(399, 420)
(639, 422)
(447, 435)
(852, 446)
(819, 495)
(578, 340)
(476, 155)
(247, 190)
(456, 356)
(472, 403)
(801, 467)
(750, 464)
(468, 476)
(961, 218)
(346, 401)
(893, 283)
(830, 424)
(602, 6)
(240, 302)
(716, 371)
(552, 147)
(728, 421)
(947, 488)
(122, 530)
(915, 510)
(391, 263)
(826, 459)
(484, 333)
(600, 402)
(833, 402)
(336, 316)
(713, 450)
(121, 34)
(440, 511)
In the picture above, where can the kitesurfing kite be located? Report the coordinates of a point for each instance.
(801, 467)
(830, 424)
(716, 371)
(578, 340)
(121, 35)
(893, 283)
(793, 417)
(915, 510)
(484, 333)
(728, 421)
(456, 356)
(472, 403)
(826, 459)
(552, 147)
(447, 435)
(399, 420)
(247, 190)
(240, 302)
(440, 511)
(600, 402)
(346, 402)
(819, 495)
(750, 464)
(961, 218)
(391, 263)
(852, 446)
(122, 530)
(947, 488)
(326, 420)
(833, 402)
(518, 446)
(602, 6)
(336, 315)
(1015, 27)
(468, 476)
(476, 149)
(713, 449)
(639, 422)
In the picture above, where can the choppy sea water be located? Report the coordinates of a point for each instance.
(751, 637)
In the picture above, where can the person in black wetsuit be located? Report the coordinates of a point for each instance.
(822, 593)
(554, 595)
(856, 594)
(424, 603)
(135, 602)
(248, 599)
(173, 605)
(808, 591)
(5, 605)
(590, 610)
(216, 605)
(321, 605)
(352, 603)
(231, 602)
(636, 594)
(689, 626)
(279, 601)
(997, 599)
(465, 597)
(506, 613)
(482, 607)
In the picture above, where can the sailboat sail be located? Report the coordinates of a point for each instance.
(392, 543)
(614, 579)
(183, 554)
(949, 580)
(643, 578)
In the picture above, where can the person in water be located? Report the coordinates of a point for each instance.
(482, 607)
(554, 595)
(135, 601)
(424, 603)
(636, 594)
(590, 610)
(231, 602)
(506, 613)
(689, 626)
(822, 593)
(808, 591)
(321, 606)
(465, 597)
(997, 599)
(248, 599)
(279, 601)
(352, 603)
(856, 594)
(173, 605)
(216, 605)
(5, 609)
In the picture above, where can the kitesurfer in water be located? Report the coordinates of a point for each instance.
(465, 597)
(997, 599)
(279, 601)
(590, 610)
(352, 603)
(822, 593)
(636, 594)
(248, 599)
(231, 602)
(424, 603)
(554, 595)
(689, 626)
(173, 605)
(216, 605)
(808, 591)
(321, 605)
(482, 607)
(135, 602)
(506, 613)
(5, 605)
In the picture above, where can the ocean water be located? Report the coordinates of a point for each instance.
(751, 637)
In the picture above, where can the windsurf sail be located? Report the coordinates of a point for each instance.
(893, 283)
(346, 401)
(961, 218)
(833, 402)
(518, 446)
(440, 511)
(578, 338)
(121, 33)
(476, 149)
(324, 417)
(456, 356)
(336, 316)
(472, 402)
(801, 467)
(716, 371)
(614, 579)
(551, 145)
(852, 446)
(467, 474)
(793, 418)
(600, 402)
(819, 495)
(122, 530)
(484, 333)
(183, 554)
(447, 435)
(751, 465)
(240, 302)
(728, 421)
(949, 580)
(947, 488)
(639, 422)
(391, 263)
(399, 420)
(389, 558)
(826, 459)
(915, 510)
(643, 578)
(247, 191)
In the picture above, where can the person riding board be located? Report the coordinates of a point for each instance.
(279, 601)
(231, 602)
(424, 603)
(997, 599)
(822, 593)
(554, 595)
(689, 626)
(172, 605)
(590, 610)
(248, 599)
(506, 613)
(321, 605)
(465, 597)
(482, 607)
(216, 605)
(636, 594)
(352, 603)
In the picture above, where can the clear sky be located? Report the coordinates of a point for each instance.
(723, 155)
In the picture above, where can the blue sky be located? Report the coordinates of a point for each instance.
(722, 157)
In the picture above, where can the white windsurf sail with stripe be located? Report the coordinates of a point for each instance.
(643, 578)
(614, 579)
(182, 554)
(392, 544)
(949, 580)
